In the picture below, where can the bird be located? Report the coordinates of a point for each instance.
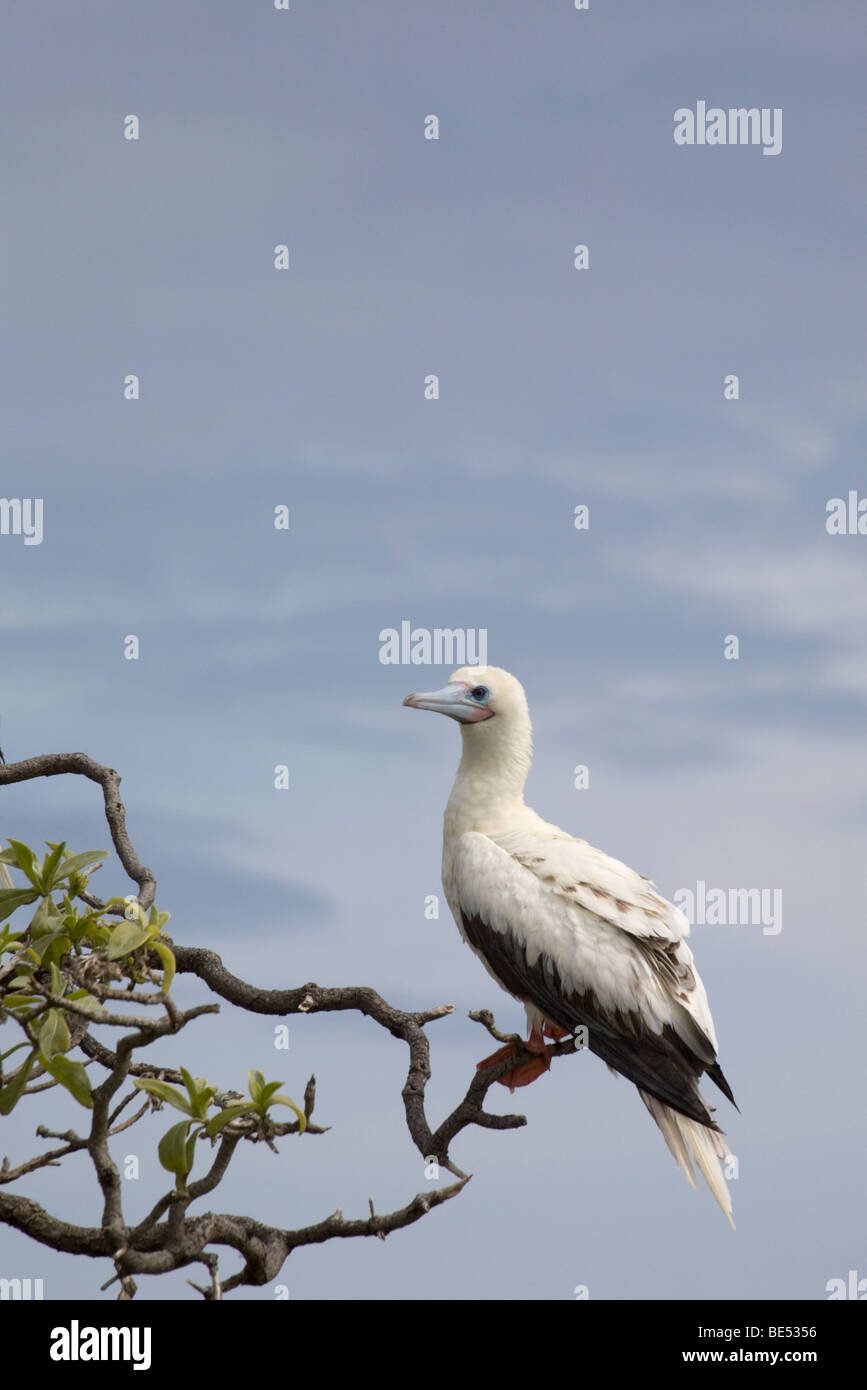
(580, 939)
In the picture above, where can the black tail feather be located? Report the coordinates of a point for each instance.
(716, 1076)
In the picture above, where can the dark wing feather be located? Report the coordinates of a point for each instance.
(661, 1064)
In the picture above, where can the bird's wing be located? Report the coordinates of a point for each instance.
(623, 899)
(585, 940)
(609, 888)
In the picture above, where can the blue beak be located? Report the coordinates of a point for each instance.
(451, 700)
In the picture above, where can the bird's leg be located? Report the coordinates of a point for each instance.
(527, 1071)
(551, 1030)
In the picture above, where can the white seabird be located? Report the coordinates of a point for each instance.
(579, 938)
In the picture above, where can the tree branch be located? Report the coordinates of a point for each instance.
(168, 1238)
(58, 764)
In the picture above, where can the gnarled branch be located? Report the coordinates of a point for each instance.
(168, 1237)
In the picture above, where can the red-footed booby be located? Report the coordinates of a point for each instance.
(579, 938)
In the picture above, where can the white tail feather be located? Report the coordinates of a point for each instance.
(687, 1139)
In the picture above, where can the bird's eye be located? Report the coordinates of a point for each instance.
(479, 692)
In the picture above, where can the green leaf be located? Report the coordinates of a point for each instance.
(46, 918)
(225, 1117)
(57, 985)
(50, 863)
(76, 862)
(87, 1002)
(168, 961)
(127, 937)
(23, 977)
(191, 1147)
(266, 1093)
(88, 929)
(176, 1150)
(302, 1118)
(73, 1076)
(200, 1093)
(26, 861)
(13, 898)
(11, 1092)
(264, 1096)
(51, 944)
(53, 1035)
(16, 1048)
(163, 1091)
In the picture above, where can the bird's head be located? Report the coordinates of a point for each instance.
(491, 708)
(474, 695)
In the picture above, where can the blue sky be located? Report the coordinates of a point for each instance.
(557, 387)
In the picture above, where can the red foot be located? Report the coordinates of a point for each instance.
(527, 1071)
(518, 1076)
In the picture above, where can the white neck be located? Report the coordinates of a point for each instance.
(489, 787)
